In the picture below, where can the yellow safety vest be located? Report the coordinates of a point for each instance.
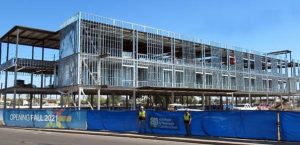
(142, 115)
(187, 117)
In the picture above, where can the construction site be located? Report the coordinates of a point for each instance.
(94, 62)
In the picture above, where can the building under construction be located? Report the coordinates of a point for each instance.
(101, 56)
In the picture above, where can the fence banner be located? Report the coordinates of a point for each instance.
(119, 121)
(237, 124)
(58, 118)
(290, 126)
(127, 121)
(169, 123)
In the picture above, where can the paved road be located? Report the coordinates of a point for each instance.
(9, 136)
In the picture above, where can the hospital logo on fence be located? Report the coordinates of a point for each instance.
(153, 122)
(161, 122)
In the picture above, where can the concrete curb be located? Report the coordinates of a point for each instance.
(154, 137)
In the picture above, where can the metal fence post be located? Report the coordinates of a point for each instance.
(278, 127)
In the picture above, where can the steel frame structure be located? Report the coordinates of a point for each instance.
(99, 55)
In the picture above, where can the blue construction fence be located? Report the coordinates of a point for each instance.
(235, 124)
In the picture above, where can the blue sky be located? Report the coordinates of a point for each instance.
(261, 25)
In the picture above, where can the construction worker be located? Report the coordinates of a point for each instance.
(142, 120)
(187, 122)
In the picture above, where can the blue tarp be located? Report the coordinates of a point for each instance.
(238, 124)
(290, 126)
(119, 121)
(58, 118)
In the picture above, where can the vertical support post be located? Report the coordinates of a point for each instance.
(149, 101)
(232, 98)
(293, 102)
(42, 78)
(16, 68)
(61, 101)
(167, 102)
(31, 79)
(1, 93)
(268, 98)
(173, 97)
(181, 98)
(278, 127)
(99, 83)
(74, 99)
(98, 100)
(6, 73)
(236, 101)
(113, 101)
(260, 100)
(0, 64)
(133, 107)
(0, 52)
(187, 101)
(107, 101)
(126, 101)
(203, 102)
(250, 99)
(221, 101)
(79, 98)
(19, 102)
(79, 62)
(209, 102)
(92, 100)
(281, 102)
(227, 102)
